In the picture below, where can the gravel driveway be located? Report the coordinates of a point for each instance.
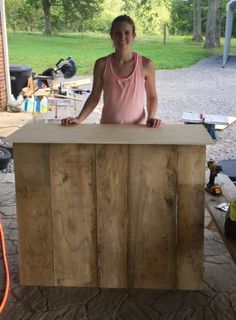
(205, 86)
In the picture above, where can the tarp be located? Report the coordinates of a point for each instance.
(231, 5)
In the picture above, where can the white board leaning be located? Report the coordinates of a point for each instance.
(231, 5)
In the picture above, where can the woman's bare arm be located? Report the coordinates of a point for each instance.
(150, 86)
(93, 98)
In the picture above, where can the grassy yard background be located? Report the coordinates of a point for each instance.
(42, 52)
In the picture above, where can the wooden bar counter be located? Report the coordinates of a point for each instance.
(110, 206)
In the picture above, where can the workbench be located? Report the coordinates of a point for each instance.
(209, 121)
(218, 216)
(110, 206)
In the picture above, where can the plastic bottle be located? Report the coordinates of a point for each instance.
(37, 104)
(31, 104)
(12, 100)
(44, 108)
(11, 105)
(26, 102)
(44, 105)
(19, 102)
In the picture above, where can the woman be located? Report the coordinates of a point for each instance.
(125, 78)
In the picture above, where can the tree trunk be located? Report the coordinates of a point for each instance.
(14, 27)
(47, 16)
(213, 24)
(197, 23)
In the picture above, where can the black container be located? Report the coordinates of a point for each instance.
(229, 168)
(19, 74)
(5, 157)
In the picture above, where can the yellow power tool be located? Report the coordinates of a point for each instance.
(212, 187)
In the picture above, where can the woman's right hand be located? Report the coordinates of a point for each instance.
(69, 121)
(153, 123)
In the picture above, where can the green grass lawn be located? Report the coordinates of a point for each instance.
(42, 52)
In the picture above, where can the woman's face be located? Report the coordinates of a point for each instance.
(123, 35)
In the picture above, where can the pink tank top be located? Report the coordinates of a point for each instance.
(123, 97)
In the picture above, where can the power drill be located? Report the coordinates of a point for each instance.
(212, 187)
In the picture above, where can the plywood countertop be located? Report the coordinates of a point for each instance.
(111, 134)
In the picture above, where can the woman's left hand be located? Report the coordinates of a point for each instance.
(153, 123)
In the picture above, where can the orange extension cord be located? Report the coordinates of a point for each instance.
(7, 286)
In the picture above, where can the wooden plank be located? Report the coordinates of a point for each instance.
(40, 132)
(197, 117)
(191, 181)
(231, 120)
(193, 117)
(111, 173)
(74, 214)
(152, 217)
(216, 119)
(76, 83)
(63, 177)
(227, 186)
(34, 214)
(68, 97)
(218, 216)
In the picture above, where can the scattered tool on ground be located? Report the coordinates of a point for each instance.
(212, 187)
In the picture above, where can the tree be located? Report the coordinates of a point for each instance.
(213, 27)
(46, 6)
(12, 13)
(74, 10)
(181, 17)
(47, 16)
(197, 22)
(151, 15)
(21, 16)
(102, 21)
(81, 10)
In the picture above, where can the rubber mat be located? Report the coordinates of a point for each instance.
(229, 168)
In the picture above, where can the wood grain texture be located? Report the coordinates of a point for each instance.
(74, 214)
(122, 206)
(112, 134)
(218, 216)
(152, 217)
(34, 214)
(111, 173)
(191, 180)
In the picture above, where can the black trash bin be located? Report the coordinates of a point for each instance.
(19, 74)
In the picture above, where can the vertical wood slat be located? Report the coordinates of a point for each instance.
(74, 214)
(111, 174)
(151, 194)
(152, 216)
(34, 214)
(191, 179)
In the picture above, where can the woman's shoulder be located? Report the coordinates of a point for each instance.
(102, 60)
(147, 63)
(148, 66)
(100, 64)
